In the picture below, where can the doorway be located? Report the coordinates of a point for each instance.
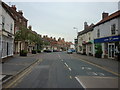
(111, 50)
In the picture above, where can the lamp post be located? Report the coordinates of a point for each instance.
(76, 39)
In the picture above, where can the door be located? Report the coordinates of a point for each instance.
(7, 48)
(111, 48)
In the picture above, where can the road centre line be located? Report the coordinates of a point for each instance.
(70, 77)
(66, 64)
(70, 69)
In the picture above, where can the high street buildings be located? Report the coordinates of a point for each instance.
(6, 31)
(106, 33)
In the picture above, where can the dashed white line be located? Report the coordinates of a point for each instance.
(66, 64)
(62, 60)
(69, 69)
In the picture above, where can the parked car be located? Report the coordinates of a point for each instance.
(48, 51)
(55, 51)
(69, 51)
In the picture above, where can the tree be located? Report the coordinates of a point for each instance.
(22, 35)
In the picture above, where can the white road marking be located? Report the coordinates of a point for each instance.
(66, 64)
(101, 74)
(70, 77)
(70, 69)
(80, 82)
(59, 56)
(83, 67)
(94, 73)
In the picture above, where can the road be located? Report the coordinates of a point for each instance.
(61, 70)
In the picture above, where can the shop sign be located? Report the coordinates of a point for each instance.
(107, 39)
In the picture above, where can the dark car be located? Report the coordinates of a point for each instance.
(48, 51)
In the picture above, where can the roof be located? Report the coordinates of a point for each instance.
(6, 7)
(90, 28)
(108, 18)
(12, 12)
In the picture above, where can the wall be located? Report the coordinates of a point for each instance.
(105, 29)
(8, 21)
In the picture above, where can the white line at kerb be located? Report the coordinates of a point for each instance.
(80, 82)
(66, 64)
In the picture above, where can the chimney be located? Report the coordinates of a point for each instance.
(54, 38)
(85, 25)
(20, 12)
(104, 15)
(30, 27)
(14, 7)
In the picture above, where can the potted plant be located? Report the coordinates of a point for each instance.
(38, 51)
(99, 51)
(34, 52)
(23, 53)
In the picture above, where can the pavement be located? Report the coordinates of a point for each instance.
(16, 64)
(109, 64)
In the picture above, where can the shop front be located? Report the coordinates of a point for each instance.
(109, 46)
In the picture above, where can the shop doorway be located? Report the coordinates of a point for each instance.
(111, 50)
(7, 48)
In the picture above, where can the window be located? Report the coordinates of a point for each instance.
(20, 20)
(3, 22)
(98, 33)
(113, 29)
(11, 27)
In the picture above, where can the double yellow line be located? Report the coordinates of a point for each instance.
(18, 78)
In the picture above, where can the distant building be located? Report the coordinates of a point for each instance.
(6, 31)
(85, 40)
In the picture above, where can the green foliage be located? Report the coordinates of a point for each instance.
(39, 51)
(22, 34)
(23, 53)
(98, 48)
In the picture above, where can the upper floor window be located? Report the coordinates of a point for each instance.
(3, 22)
(20, 20)
(113, 27)
(11, 27)
(98, 33)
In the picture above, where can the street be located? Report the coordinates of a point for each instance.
(62, 70)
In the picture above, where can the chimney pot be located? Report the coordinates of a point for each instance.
(85, 25)
(20, 12)
(14, 7)
(104, 15)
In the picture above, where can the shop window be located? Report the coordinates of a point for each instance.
(113, 27)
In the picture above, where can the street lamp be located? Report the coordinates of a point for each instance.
(76, 39)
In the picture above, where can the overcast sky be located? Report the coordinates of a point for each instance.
(57, 19)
